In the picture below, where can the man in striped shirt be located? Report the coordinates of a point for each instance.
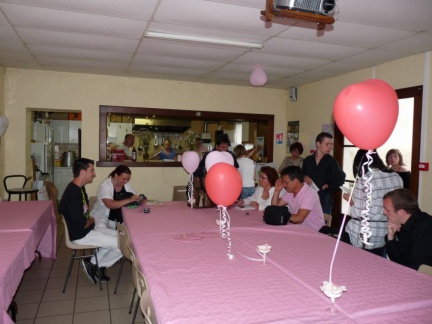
(303, 202)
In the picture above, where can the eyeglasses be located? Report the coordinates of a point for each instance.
(261, 177)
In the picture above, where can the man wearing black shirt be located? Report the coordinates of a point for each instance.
(74, 208)
(323, 170)
(409, 238)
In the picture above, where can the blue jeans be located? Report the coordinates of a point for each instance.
(247, 192)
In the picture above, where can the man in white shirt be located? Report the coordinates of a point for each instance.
(127, 145)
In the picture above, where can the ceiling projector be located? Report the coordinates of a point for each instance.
(323, 7)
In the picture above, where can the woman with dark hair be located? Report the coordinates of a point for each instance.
(382, 182)
(396, 164)
(296, 149)
(113, 193)
(264, 192)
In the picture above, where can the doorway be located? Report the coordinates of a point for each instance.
(405, 137)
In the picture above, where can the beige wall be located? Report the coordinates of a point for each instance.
(315, 104)
(68, 91)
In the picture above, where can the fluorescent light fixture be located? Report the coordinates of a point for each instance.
(204, 40)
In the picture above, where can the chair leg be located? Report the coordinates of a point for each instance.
(136, 309)
(39, 255)
(132, 301)
(118, 276)
(70, 269)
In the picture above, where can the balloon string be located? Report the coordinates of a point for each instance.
(365, 231)
(340, 231)
(190, 190)
(225, 227)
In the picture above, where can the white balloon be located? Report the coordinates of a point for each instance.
(4, 123)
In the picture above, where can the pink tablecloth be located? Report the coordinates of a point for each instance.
(191, 279)
(16, 256)
(35, 216)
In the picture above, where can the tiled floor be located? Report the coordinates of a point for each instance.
(41, 301)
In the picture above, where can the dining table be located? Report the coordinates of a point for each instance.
(198, 271)
(25, 227)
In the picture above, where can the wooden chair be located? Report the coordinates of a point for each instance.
(75, 248)
(21, 190)
(123, 240)
(92, 200)
(426, 269)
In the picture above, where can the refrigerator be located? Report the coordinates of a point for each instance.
(43, 153)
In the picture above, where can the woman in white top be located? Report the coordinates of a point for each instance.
(110, 190)
(247, 171)
(264, 192)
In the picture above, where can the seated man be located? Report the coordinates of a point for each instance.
(409, 238)
(74, 207)
(303, 201)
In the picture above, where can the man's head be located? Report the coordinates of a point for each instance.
(129, 140)
(84, 169)
(292, 178)
(399, 205)
(222, 143)
(324, 142)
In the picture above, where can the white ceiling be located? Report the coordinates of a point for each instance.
(107, 37)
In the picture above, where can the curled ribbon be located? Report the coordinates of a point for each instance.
(225, 228)
(191, 199)
(365, 231)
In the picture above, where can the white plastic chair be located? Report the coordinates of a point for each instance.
(425, 269)
(123, 240)
(75, 248)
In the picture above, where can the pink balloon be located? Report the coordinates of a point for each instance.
(216, 157)
(223, 184)
(366, 113)
(258, 77)
(190, 161)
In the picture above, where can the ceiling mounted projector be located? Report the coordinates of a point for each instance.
(323, 7)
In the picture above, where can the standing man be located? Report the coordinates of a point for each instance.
(323, 170)
(74, 208)
(409, 238)
(302, 200)
(127, 145)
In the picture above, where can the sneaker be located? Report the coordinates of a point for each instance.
(100, 275)
(89, 270)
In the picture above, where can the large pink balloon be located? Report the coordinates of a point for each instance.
(223, 184)
(216, 157)
(366, 113)
(258, 77)
(190, 161)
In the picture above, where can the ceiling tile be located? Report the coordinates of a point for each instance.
(61, 39)
(66, 21)
(137, 9)
(420, 42)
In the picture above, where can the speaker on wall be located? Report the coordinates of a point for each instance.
(293, 94)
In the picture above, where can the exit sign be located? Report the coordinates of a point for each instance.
(423, 166)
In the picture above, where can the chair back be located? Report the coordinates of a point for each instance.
(71, 245)
(15, 180)
(426, 269)
(123, 240)
(141, 282)
(179, 193)
(92, 200)
(328, 219)
(147, 308)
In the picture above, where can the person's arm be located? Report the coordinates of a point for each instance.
(275, 199)
(115, 204)
(300, 216)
